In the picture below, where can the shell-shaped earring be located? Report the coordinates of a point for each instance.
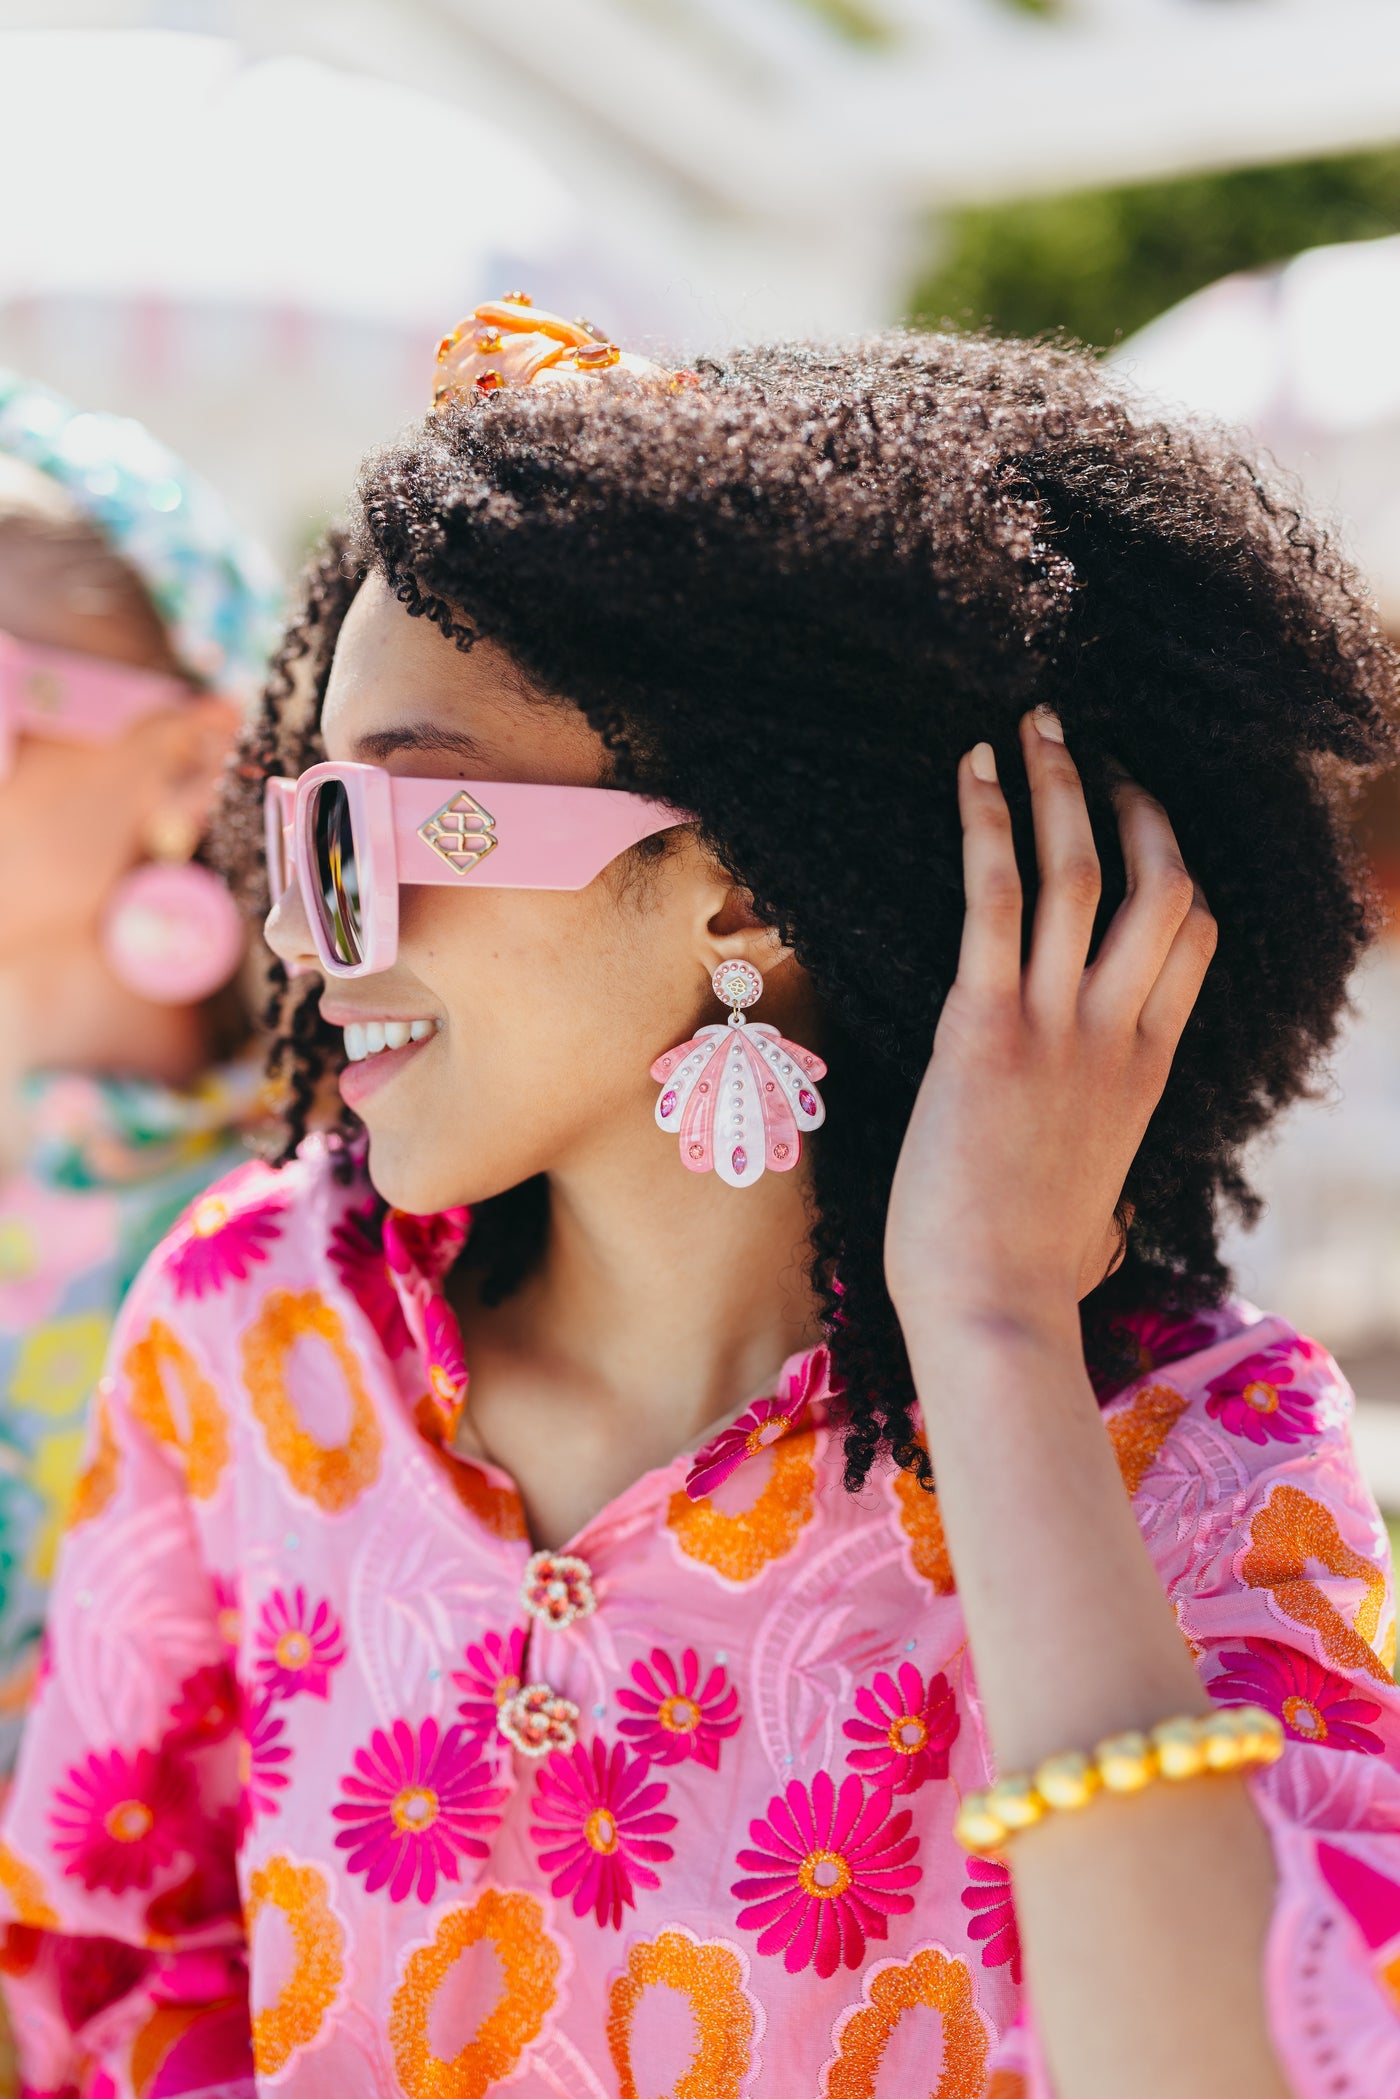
(738, 1095)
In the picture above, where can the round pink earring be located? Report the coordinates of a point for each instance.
(738, 1095)
(172, 933)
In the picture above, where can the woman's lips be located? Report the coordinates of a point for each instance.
(359, 1081)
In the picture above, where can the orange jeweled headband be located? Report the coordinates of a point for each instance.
(511, 342)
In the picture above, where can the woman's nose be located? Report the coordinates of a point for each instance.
(287, 931)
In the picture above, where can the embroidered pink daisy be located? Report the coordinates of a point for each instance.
(764, 1423)
(674, 1715)
(358, 1258)
(491, 1677)
(994, 1921)
(1314, 1704)
(902, 1731)
(262, 1755)
(1254, 1398)
(557, 1588)
(298, 1646)
(207, 1708)
(117, 1819)
(827, 1873)
(414, 1804)
(424, 1246)
(1157, 1337)
(442, 1346)
(223, 1243)
(599, 1828)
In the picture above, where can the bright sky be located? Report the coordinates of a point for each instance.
(158, 163)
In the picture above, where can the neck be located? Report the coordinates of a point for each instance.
(64, 1010)
(663, 1298)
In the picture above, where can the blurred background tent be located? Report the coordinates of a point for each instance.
(248, 223)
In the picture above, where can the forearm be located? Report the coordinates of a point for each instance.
(1144, 1920)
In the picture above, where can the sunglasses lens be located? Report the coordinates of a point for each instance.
(337, 872)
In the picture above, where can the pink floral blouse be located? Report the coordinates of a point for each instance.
(333, 1786)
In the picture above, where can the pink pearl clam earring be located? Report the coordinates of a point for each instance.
(738, 1095)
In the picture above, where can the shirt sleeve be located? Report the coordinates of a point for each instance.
(123, 1958)
(1277, 1564)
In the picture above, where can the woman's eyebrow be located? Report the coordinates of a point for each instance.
(378, 744)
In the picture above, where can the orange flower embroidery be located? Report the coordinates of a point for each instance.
(97, 1482)
(1138, 1433)
(921, 1521)
(1290, 1530)
(710, 1976)
(194, 1426)
(298, 2014)
(892, 1988)
(1007, 2084)
(738, 1547)
(26, 1892)
(333, 1475)
(500, 1509)
(522, 1978)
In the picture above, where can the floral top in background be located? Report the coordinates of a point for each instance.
(110, 1168)
(333, 1785)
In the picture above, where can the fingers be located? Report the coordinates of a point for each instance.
(989, 961)
(1068, 860)
(1160, 896)
(1172, 998)
(1150, 968)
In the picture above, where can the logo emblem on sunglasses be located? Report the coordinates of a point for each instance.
(462, 833)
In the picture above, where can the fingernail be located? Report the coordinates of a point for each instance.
(983, 760)
(1048, 724)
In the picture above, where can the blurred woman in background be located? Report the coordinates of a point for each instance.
(134, 617)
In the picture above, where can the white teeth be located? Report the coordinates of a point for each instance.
(366, 1038)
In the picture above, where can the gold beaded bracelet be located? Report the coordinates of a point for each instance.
(1228, 1740)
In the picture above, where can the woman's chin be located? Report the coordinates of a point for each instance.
(424, 1179)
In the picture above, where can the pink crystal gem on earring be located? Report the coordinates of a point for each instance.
(739, 1095)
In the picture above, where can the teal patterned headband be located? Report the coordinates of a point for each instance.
(212, 584)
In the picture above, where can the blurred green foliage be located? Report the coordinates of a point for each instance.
(1099, 263)
(854, 21)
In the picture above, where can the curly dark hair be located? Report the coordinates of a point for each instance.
(788, 602)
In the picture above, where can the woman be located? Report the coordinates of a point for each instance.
(602, 1727)
(132, 617)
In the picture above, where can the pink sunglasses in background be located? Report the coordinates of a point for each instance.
(77, 699)
(352, 833)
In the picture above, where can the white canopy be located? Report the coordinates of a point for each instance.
(1305, 356)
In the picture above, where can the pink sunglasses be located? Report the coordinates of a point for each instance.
(80, 699)
(352, 833)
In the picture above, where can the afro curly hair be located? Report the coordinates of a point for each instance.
(788, 601)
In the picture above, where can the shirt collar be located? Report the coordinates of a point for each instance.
(420, 1252)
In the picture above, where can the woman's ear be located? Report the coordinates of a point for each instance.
(736, 933)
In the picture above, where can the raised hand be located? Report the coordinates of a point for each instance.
(1043, 1077)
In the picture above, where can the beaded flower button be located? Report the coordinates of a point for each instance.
(557, 1588)
(738, 1094)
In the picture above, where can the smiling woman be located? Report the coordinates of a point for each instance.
(703, 752)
